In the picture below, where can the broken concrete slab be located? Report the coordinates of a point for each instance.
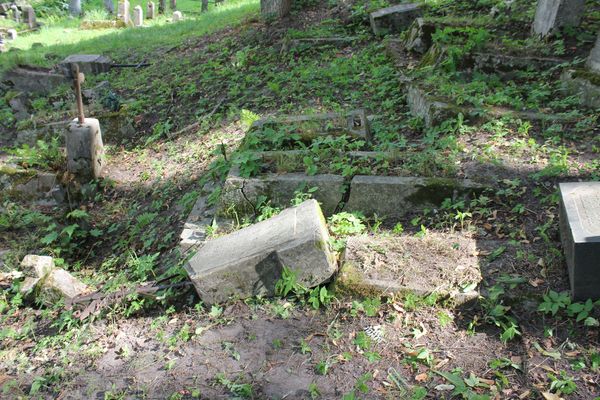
(551, 15)
(580, 234)
(200, 219)
(593, 62)
(89, 64)
(39, 80)
(395, 196)
(432, 110)
(394, 19)
(310, 126)
(26, 184)
(584, 84)
(242, 195)
(249, 262)
(444, 264)
(418, 37)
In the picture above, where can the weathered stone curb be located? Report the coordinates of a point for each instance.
(394, 19)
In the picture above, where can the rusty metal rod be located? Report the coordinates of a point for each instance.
(77, 85)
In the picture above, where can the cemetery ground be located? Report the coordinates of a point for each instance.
(173, 130)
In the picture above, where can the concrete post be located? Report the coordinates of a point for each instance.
(85, 150)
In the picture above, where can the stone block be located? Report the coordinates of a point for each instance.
(138, 16)
(551, 15)
(177, 16)
(394, 19)
(89, 64)
(150, 10)
(12, 34)
(432, 110)
(580, 234)
(196, 226)
(593, 62)
(34, 80)
(310, 126)
(85, 150)
(584, 84)
(395, 196)
(249, 262)
(40, 265)
(446, 264)
(53, 283)
(242, 195)
(418, 37)
(123, 11)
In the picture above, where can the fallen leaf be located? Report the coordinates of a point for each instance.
(444, 388)
(551, 396)
(421, 377)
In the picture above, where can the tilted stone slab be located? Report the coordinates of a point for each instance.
(249, 262)
(445, 264)
(593, 62)
(353, 123)
(418, 37)
(395, 196)
(394, 19)
(242, 195)
(580, 234)
(89, 64)
(34, 80)
(551, 15)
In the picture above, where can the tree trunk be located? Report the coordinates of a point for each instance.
(110, 6)
(204, 6)
(275, 8)
(75, 8)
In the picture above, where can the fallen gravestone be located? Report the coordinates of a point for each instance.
(242, 195)
(394, 19)
(249, 262)
(443, 264)
(580, 234)
(432, 110)
(34, 79)
(311, 126)
(89, 64)
(395, 196)
(551, 15)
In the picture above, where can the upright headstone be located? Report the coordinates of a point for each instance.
(138, 16)
(16, 13)
(30, 16)
(551, 15)
(150, 10)
(173, 5)
(275, 8)
(124, 11)
(580, 234)
(109, 5)
(75, 8)
(12, 34)
(177, 16)
(162, 6)
(85, 151)
(593, 62)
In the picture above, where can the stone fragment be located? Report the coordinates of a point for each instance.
(177, 16)
(580, 234)
(89, 64)
(17, 105)
(395, 196)
(40, 265)
(551, 15)
(394, 19)
(196, 226)
(12, 34)
(123, 11)
(242, 195)
(436, 263)
(138, 16)
(432, 110)
(37, 187)
(85, 151)
(584, 84)
(418, 36)
(150, 10)
(593, 62)
(53, 283)
(275, 8)
(311, 126)
(250, 261)
(60, 282)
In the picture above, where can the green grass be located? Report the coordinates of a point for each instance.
(62, 37)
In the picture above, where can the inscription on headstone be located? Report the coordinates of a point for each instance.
(580, 233)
